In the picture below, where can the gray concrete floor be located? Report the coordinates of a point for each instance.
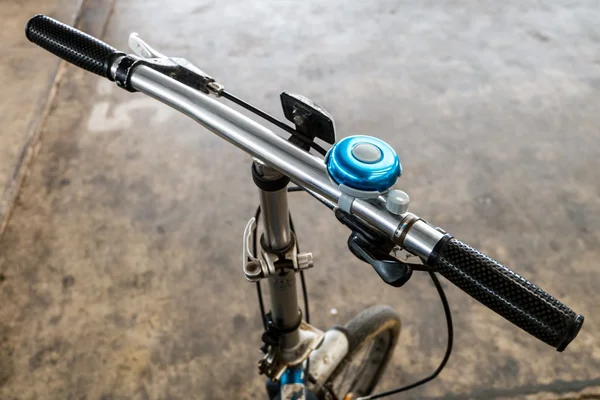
(28, 81)
(120, 273)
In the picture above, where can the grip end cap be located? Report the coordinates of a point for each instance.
(31, 21)
(574, 329)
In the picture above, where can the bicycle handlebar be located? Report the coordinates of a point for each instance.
(494, 285)
(507, 293)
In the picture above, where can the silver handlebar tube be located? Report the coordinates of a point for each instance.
(301, 167)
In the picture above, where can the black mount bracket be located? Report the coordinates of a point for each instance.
(177, 68)
(311, 120)
(272, 334)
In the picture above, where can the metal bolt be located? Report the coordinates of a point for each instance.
(215, 88)
(253, 270)
(305, 260)
(252, 266)
(298, 120)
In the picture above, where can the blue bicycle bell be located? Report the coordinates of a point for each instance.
(363, 163)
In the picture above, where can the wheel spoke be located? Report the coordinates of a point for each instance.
(352, 366)
(372, 335)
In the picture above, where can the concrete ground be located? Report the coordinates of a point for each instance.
(119, 265)
(28, 81)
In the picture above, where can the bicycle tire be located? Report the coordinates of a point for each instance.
(375, 332)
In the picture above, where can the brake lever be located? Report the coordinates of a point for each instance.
(177, 68)
(392, 271)
(141, 48)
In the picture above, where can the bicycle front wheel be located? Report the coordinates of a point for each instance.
(372, 336)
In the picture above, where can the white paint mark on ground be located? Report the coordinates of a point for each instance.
(110, 115)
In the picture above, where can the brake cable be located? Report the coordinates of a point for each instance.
(267, 117)
(450, 342)
(415, 267)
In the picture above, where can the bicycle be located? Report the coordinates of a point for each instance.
(354, 179)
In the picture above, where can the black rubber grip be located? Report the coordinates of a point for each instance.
(71, 44)
(508, 294)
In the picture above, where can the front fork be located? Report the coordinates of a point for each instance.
(288, 339)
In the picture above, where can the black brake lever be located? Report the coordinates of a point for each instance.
(374, 248)
(392, 271)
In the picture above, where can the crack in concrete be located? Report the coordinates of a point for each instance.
(31, 146)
